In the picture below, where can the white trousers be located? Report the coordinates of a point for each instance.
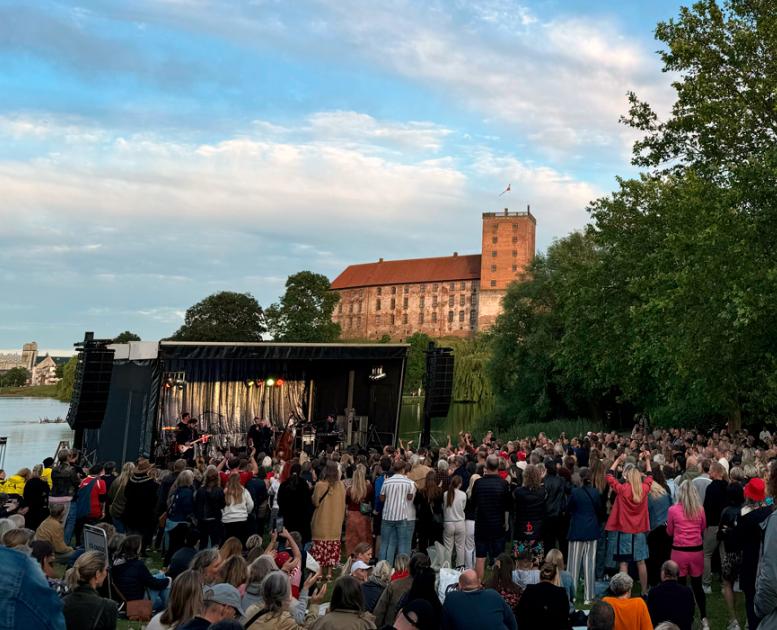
(469, 544)
(583, 551)
(454, 533)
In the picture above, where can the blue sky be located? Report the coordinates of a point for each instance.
(156, 151)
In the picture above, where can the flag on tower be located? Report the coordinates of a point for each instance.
(506, 190)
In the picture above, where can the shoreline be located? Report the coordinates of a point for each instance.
(35, 391)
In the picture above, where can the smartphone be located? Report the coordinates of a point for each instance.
(279, 524)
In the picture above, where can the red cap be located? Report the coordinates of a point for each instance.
(521, 456)
(755, 490)
(281, 558)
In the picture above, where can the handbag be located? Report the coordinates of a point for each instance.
(365, 508)
(136, 609)
(448, 578)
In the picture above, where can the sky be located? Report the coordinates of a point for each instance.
(156, 151)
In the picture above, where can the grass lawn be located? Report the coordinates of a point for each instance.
(35, 391)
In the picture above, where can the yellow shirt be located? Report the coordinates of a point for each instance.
(46, 476)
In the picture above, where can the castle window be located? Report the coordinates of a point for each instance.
(358, 307)
(450, 300)
(422, 288)
(350, 307)
(406, 289)
(377, 320)
(515, 253)
(340, 308)
(493, 254)
(473, 316)
(404, 304)
(515, 267)
(393, 290)
(452, 286)
(392, 319)
(435, 286)
(393, 304)
(494, 240)
(350, 322)
(434, 301)
(515, 239)
(404, 318)
(462, 300)
(380, 290)
(515, 227)
(434, 317)
(493, 283)
(493, 267)
(461, 316)
(450, 317)
(421, 317)
(463, 286)
(377, 304)
(421, 301)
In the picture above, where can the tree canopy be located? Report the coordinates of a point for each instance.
(667, 302)
(224, 316)
(15, 377)
(126, 337)
(304, 313)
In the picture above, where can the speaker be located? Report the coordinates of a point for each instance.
(439, 382)
(91, 386)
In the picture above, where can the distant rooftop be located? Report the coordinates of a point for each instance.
(411, 271)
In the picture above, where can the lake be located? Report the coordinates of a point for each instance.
(461, 417)
(30, 442)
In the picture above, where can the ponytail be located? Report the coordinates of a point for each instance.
(87, 566)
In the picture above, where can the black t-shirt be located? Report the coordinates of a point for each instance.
(491, 498)
(184, 433)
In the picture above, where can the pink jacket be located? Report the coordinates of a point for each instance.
(626, 516)
(685, 532)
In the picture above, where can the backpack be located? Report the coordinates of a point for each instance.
(84, 499)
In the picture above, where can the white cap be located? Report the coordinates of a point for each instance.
(359, 564)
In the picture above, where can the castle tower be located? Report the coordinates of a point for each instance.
(507, 248)
(29, 356)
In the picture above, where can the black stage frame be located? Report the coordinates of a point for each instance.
(339, 373)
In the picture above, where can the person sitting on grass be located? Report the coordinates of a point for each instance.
(631, 613)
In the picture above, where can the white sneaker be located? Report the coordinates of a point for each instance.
(733, 625)
(707, 589)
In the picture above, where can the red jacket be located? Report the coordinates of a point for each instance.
(626, 516)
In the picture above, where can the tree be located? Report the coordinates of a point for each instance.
(304, 313)
(224, 316)
(126, 337)
(415, 369)
(15, 377)
(65, 385)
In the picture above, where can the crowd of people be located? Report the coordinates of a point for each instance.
(528, 533)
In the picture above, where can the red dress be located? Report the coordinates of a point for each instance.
(358, 526)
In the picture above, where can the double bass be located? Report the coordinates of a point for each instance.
(285, 442)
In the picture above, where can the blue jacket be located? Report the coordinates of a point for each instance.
(583, 507)
(26, 599)
(182, 505)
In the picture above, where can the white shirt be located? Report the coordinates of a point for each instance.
(237, 512)
(455, 512)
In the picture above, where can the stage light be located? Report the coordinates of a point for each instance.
(279, 382)
(259, 382)
(377, 373)
(270, 382)
(249, 383)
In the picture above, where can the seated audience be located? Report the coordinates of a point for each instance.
(220, 602)
(502, 581)
(346, 608)
(601, 617)
(377, 582)
(670, 600)
(631, 613)
(83, 607)
(184, 603)
(472, 604)
(544, 605)
(132, 578)
(274, 610)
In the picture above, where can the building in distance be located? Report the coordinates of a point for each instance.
(449, 296)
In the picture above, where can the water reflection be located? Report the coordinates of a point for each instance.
(30, 442)
(461, 417)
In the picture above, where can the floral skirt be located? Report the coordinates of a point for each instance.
(326, 552)
(535, 547)
(358, 529)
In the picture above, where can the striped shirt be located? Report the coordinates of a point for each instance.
(396, 506)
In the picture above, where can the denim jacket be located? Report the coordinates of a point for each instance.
(26, 599)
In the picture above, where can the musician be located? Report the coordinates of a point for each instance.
(327, 432)
(260, 436)
(185, 433)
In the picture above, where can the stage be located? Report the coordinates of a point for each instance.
(226, 385)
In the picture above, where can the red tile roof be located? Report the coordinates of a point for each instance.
(413, 271)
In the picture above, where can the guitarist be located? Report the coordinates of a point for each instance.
(186, 432)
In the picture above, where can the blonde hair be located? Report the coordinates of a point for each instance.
(472, 481)
(24, 473)
(359, 483)
(382, 572)
(634, 478)
(87, 567)
(37, 471)
(556, 558)
(657, 490)
(688, 497)
(233, 493)
(185, 479)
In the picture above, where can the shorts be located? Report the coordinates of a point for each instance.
(690, 562)
(623, 547)
(490, 547)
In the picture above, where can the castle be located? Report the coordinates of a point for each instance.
(43, 372)
(449, 296)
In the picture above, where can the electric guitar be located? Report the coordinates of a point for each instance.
(183, 448)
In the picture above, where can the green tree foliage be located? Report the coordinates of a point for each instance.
(671, 302)
(224, 316)
(470, 378)
(304, 313)
(126, 337)
(15, 377)
(416, 361)
(65, 386)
